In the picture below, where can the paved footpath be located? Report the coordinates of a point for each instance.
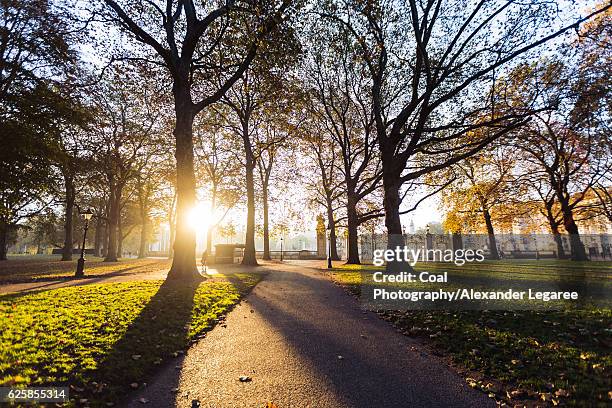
(304, 342)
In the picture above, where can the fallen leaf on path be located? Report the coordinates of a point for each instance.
(271, 405)
(516, 394)
(545, 396)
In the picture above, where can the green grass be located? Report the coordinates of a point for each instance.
(31, 268)
(101, 338)
(531, 357)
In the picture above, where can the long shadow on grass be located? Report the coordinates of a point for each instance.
(152, 339)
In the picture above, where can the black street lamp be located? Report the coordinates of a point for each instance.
(428, 240)
(329, 253)
(81, 262)
(281, 239)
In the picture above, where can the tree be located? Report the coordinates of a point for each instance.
(188, 38)
(592, 109)
(603, 192)
(573, 154)
(148, 181)
(66, 155)
(273, 138)
(325, 184)
(216, 154)
(254, 99)
(549, 208)
(30, 133)
(565, 157)
(482, 184)
(342, 105)
(35, 56)
(34, 46)
(431, 73)
(127, 119)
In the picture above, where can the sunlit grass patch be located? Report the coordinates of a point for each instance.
(99, 339)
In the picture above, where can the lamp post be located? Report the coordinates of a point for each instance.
(535, 244)
(428, 240)
(281, 239)
(81, 262)
(329, 253)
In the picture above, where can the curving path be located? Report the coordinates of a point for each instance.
(287, 336)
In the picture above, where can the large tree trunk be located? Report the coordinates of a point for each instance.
(98, 236)
(249, 257)
(3, 241)
(68, 218)
(391, 204)
(554, 229)
(211, 227)
(249, 242)
(172, 227)
(352, 225)
(393, 222)
(120, 236)
(491, 233)
(142, 246)
(144, 222)
(113, 221)
(331, 224)
(266, 226)
(105, 229)
(183, 261)
(576, 246)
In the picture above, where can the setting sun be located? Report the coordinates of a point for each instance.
(199, 217)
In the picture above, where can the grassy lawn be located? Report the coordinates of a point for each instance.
(525, 357)
(37, 267)
(106, 339)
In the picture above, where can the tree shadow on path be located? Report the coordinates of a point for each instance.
(361, 357)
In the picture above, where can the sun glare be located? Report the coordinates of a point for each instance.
(199, 217)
